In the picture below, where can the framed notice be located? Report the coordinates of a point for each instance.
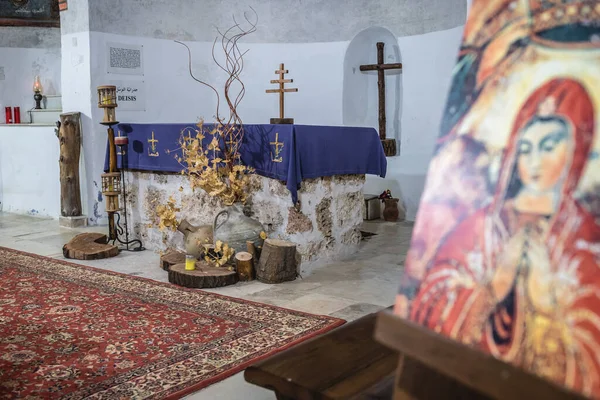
(125, 59)
(131, 95)
(29, 13)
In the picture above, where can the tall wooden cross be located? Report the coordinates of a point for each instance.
(389, 145)
(281, 71)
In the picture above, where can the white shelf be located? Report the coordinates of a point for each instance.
(58, 110)
(25, 125)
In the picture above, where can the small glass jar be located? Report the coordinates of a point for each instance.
(190, 262)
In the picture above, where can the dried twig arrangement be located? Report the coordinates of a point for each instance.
(211, 159)
(230, 128)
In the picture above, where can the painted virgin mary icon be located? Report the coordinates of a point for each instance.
(520, 277)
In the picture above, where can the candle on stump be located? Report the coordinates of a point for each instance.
(190, 262)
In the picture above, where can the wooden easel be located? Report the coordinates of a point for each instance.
(281, 81)
(434, 367)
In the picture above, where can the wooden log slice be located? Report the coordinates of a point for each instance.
(244, 263)
(170, 258)
(204, 276)
(277, 262)
(89, 246)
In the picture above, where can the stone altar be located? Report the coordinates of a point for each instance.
(325, 228)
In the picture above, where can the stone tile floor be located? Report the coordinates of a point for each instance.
(349, 289)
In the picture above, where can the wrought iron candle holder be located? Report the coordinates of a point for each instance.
(113, 180)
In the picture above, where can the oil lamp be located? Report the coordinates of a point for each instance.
(37, 89)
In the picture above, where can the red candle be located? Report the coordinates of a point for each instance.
(17, 115)
(121, 140)
(8, 115)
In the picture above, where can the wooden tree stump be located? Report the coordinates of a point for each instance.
(277, 262)
(204, 276)
(89, 246)
(171, 258)
(69, 136)
(245, 266)
(255, 251)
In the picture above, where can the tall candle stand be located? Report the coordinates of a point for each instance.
(112, 181)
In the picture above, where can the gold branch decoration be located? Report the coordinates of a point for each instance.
(212, 163)
(166, 213)
(220, 255)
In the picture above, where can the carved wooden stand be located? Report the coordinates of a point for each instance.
(69, 136)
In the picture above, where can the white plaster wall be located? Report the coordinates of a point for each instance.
(21, 65)
(428, 62)
(173, 96)
(29, 171)
(317, 70)
(79, 97)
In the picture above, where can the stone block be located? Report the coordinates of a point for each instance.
(73, 222)
(372, 207)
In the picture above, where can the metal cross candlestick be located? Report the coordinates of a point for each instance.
(389, 145)
(281, 81)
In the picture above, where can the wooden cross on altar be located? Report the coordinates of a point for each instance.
(389, 145)
(281, 71)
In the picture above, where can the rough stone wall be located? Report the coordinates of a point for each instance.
(324, 228)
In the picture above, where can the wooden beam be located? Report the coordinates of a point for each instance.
(370, 67)
(391, 66)
(377, 67)
(282, 80)
(30, 22)
(282, 71)
(281, 90)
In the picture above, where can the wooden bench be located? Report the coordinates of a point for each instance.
(351, 362)
(346, 363)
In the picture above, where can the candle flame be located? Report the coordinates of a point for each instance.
(37, 85)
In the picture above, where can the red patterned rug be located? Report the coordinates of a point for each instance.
(73, 332)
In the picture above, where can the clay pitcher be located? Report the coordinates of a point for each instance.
(391, 212)
(195, 237)
(231, 226)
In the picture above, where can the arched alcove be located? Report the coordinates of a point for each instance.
(360, 95)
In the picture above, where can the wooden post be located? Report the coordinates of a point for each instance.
(112, 165)
(69, 136)
(277, 262)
